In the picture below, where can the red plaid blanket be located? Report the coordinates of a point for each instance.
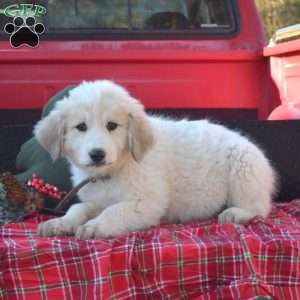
(200, 260)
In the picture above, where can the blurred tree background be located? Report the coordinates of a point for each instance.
(278, 13)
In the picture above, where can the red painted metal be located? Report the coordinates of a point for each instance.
(285, 71)
(211, 73)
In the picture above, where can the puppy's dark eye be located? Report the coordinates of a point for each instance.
(111, 126)
(81, 127)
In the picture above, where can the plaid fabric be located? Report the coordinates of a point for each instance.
(199, 260)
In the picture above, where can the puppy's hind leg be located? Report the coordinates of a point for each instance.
(252, 185)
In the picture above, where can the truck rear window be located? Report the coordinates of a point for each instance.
(87, 18)
(138, 14)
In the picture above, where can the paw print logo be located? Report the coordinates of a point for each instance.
(24, 31)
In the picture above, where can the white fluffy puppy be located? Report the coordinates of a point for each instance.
(152, 168)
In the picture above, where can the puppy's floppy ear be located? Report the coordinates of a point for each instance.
(140, 137)
(49, 132)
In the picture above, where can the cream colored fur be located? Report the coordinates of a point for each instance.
(159, 169)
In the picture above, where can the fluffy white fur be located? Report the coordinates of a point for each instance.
(158, 169)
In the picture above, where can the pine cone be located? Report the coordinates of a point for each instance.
(15, 193)
(35, 202)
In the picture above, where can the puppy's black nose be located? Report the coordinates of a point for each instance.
(97, 155)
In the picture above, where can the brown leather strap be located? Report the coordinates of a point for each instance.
(64, 202)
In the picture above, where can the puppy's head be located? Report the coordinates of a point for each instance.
(96, 128)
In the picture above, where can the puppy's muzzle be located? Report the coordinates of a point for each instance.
(97, 156)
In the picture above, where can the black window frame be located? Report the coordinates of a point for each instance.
(143, 34)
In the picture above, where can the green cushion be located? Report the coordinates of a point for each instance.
(49, 106)
(32, 158)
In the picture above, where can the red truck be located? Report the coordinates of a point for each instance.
(184, 58)
(192, 58)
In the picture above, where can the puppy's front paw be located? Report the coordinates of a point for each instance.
(235, 215)
(57, 226)
(96, 229)
(86, 232)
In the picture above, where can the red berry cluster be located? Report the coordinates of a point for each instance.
(40, 186)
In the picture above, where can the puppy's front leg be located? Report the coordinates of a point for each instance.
(76, 215)
(121, 218)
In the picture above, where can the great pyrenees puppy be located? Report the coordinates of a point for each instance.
(151, 169)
